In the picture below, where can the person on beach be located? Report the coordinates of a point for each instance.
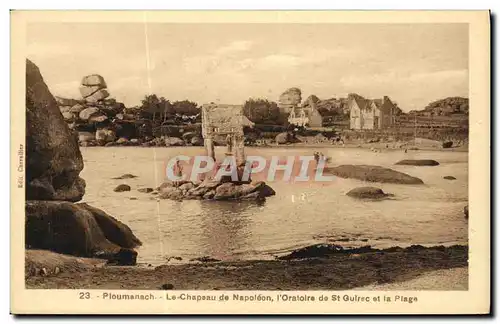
(229, 144)
(177, 168)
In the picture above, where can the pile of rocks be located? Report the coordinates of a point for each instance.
(102, 121)
(53, 220)
(93, 88)
(93, 115)
(211, 189)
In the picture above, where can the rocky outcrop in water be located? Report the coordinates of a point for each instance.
(327, 250)
(368, 193)
(122, 188)
(372, 173)
(210, 189)
(53, 221)
(447, 144)
(418, 162)
(125, 176)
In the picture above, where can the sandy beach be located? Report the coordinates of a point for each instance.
(437, 268)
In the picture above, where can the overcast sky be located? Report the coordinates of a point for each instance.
(413, 63)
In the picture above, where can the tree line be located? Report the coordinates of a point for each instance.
(158, 108)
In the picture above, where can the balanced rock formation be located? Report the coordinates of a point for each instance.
(93, 88)
(95, 113)
(54, 161)
(372, 173)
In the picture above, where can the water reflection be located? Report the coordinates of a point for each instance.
(293, 218)
(225, 227)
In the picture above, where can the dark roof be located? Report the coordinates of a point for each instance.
(366, 103)
(378, 102)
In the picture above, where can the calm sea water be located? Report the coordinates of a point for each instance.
(299, 214)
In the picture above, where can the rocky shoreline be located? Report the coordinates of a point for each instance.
(100, 120)
(319, 267)
(74, 245)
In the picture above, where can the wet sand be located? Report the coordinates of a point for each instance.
(446, 279)
(408, 268)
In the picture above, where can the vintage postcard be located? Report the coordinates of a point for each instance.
(246, 162)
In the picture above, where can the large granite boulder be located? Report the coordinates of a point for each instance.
(292, 96)
(282, 138)
(53, 164)
(64, 109)
(53, 158)
(65, 101)
(86, 113)
(230, 191)
(97, 96)
(114, 230)
(69, 117)
(77, 229)
(367, 193)
(87, 91)
(312, 100)
(94, 80)
(98, 118)
(173, 141)
(76, 109)
(105, 135)
(172, 193)
(197, 141)
(371, 173)
(86, 136)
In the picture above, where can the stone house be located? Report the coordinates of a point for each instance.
(305, 116)
(370, 113)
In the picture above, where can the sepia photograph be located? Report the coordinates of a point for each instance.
(179, 157)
